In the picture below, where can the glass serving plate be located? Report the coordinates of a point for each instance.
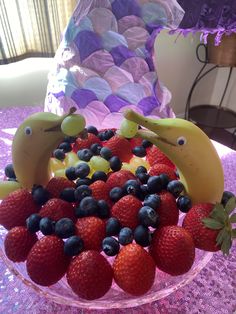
(61, 293)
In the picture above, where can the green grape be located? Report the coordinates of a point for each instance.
(99, 163)
(128, 128)
(73, 124)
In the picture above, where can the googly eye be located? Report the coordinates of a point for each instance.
(28, 130)
(181, 141)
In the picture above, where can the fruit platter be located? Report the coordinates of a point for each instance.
(112, 218)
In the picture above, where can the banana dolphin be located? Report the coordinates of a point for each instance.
(190, 149)
(32, 147)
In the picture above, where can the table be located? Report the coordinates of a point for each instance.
(212, 291)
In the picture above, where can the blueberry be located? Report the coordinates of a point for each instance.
(147, 216)
(92, 129)
(116, 193)
(95, 148)
(131, 187)
(175, 187)
(70, 139)
(40, 195)
(165, 180)
(110, 246)
(85, 154)
(74, 245)
(184, 204)
(152, 200)
(81, 192)
(32, 222)
(65, 146)
(146, 144)
(46, 226)
(154, 184)
(9, 171)
(101, 136)
(108, 134)
(84, 181)
(143, 177)
(59, 154)
(71, 173)
(99, 175)
(106, 153)
(140, 169)
(125, 236)
(82, 170)
(103, 209)
(142, 235)
(226, 196)
(112, 226)
(64, 228)
(87, 207)
(68, 195)
(139, 151)
(115, 163)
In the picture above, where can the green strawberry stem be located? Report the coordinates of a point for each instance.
(221, 219)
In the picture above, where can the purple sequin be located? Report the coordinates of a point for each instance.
(115, 103)
(87, 43)
(148, 104)
(83, 97)
(123, 8)
(120, 54)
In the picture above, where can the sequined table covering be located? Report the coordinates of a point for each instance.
(212, 291)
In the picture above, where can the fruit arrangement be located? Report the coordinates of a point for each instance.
(103, 206)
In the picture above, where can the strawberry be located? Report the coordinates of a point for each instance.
(16, 208)
(120, 147)
(56, 209)
(168, 211)
(158, 169)
(204, 238)
(57, 184)
(86, 143)
(156, 156)
(126, 211)
(46, 262)
(18, 243)
(135, 141)
(90, 275)
(92, 230)
(134, 269)
(100, 190)
(119, 178)
(173, 250)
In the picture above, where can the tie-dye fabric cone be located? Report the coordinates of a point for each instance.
(105, 62)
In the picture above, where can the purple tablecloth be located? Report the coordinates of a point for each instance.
(212, 291)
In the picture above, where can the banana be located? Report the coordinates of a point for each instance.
(32, 147)
(190, 149)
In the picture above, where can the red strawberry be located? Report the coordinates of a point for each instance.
(158, 169)
(120, 147)
(46, 263)
(134, 269)
(168, 211)
(86, 143)
(119, 178)
(173, 250)
(126, 211)
(18, 243)
(135, 141)
(156, 156)
(16, 208)
(100, 190)
(204, 238)
(56, 209)
(90, 275)
(57, 184)
(92, 230)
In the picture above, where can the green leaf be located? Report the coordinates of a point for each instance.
(233, 218)
(213, 224)
(219, 213)
(220, 236)
(230, 206)
(233, 233)
(226, 245)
